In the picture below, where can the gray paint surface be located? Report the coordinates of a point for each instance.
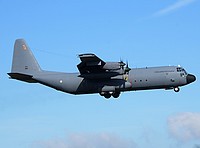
(96, 76)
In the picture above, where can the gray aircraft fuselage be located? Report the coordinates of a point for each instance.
(137, 79)
(26, 68)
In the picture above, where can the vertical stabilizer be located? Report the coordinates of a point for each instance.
(24, 61)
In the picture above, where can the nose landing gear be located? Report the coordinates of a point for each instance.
(176, 89)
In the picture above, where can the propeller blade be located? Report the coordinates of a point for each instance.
(121, 63)
(127, 69)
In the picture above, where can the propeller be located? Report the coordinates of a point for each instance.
(121, 64)
(127, 69)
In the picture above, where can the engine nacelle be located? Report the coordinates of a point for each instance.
(113, 65)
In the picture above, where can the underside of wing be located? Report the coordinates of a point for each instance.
(92, 67)
(90, 64)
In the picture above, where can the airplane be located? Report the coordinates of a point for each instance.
(96, 76)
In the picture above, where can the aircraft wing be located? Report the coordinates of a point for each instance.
(90, 63)
(92, 67)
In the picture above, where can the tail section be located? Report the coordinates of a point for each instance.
(23, 59)
(24, 64)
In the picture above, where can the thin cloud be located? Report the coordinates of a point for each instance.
(185, 127)
(85, 140)
(179, 4)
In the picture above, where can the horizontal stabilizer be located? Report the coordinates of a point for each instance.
(22, 77)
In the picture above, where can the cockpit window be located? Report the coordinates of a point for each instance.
(184, 71)
(182, 74)
(179, 69)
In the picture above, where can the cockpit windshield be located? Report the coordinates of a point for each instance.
(182, 70)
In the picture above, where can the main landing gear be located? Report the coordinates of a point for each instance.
(107, 95)
(176, 89)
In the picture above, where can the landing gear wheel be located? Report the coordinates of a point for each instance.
(107, 96)
(116, 95)
(176, 89)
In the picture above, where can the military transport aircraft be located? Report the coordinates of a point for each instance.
(97, 76)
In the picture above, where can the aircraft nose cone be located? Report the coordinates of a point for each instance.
(190, 78)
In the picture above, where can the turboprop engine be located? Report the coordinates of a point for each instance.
(114, 65)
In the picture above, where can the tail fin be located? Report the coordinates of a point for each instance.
(24, 64)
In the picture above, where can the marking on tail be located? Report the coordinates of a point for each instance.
(24, 47)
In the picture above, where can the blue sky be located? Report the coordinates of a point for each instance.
(146, 33)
